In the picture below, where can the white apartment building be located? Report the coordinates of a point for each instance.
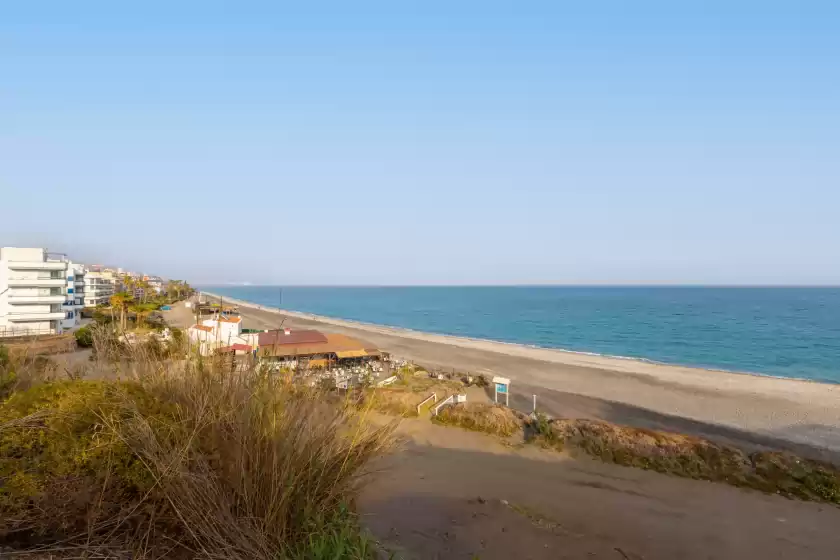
(33, 286)
(75, 295)
(99, 286)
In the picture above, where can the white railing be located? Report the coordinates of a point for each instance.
(6, 332)
(446, 401)
(427, 399)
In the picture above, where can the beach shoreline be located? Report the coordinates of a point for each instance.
(563, 356)
(795, 410)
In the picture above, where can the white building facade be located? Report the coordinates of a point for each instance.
(33, 291)
(98, 287)
(75, 296)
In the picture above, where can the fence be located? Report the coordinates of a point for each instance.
(24, 332)
(427, 399)
(446, 401)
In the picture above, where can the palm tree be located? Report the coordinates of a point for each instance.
(121, 301)
(173, 289)
(139, 310)
(128, 284)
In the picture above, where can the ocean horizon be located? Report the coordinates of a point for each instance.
(791, 332)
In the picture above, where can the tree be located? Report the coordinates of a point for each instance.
(129, 284)
(121, 301)
(177, 289)
(139, 310)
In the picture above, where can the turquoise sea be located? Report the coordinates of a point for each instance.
(786, 332)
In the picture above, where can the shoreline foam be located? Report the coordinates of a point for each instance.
(615, 389)
(600, 361)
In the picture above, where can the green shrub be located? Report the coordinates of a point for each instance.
(191, 458)
(84, 337)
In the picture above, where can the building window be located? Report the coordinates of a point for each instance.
(69, 290)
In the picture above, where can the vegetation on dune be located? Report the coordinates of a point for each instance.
(692, 457)
(187, 461)
(402, 397)
(20, 371)
(480, 417)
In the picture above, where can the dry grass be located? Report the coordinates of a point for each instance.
(480, 417)
(402, 398)
(183, 459)
(693, 457)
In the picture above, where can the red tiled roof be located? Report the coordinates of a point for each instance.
(272, 338)
(202, 328)
(225, 319)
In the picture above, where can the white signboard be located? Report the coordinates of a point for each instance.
(502, 385)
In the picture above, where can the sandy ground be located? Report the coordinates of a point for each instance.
(451, 493)
(755, 410)
(442, 496)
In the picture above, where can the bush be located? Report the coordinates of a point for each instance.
(692, 457)
(84, 337)
(177, 462)
(480, 417)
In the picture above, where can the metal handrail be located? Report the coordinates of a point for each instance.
(447, 400)
(427, 399)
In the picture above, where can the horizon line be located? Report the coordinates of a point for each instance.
(546, 285)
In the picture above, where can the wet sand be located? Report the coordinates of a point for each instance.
(748, 409)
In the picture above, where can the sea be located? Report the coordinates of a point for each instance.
(783, 332)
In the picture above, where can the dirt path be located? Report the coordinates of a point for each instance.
(442, 497)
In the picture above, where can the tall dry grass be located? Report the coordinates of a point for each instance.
(183, 457)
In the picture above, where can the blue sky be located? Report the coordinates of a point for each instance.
(426, 142)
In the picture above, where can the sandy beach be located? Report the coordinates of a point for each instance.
(452, 493)
(748, 409)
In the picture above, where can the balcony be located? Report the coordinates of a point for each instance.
(46, 298)
(27, 282)
(36, 265)
(21, 316)
(78, 282)
(99, 291)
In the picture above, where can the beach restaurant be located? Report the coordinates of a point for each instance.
(313, 348)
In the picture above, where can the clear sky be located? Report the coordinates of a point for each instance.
(425, 142)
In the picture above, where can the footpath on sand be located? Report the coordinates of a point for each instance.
(452, 493)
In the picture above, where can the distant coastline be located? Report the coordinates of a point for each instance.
(576, 384)
(559, 355)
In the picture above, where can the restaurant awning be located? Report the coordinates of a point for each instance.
(351, 354)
